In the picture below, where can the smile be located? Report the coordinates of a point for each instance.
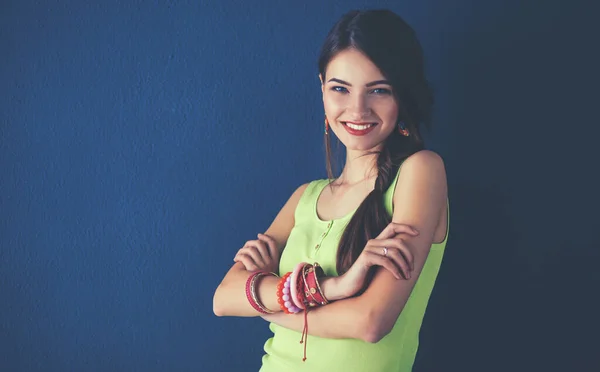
(358, 129)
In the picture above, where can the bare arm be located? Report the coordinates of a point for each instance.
(419, 199)
(341, 319)
(230, 296)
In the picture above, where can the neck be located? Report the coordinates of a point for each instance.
(359, 167)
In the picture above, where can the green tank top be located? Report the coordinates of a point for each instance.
(314, 240)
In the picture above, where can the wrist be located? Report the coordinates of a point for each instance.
(331, 288)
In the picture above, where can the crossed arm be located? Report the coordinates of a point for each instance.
(419, 200)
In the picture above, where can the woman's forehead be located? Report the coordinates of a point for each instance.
(354, 67)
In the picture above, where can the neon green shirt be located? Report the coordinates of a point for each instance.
(314, 240)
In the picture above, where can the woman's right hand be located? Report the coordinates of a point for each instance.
(388, 251)
(259, 255)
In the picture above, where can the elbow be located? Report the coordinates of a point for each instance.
(218, 309)
(375, 330)
(374, 336)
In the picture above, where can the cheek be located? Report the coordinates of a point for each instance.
(387, 109)
(334, 103)
(393, 114)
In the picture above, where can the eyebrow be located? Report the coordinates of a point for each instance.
(376, 82)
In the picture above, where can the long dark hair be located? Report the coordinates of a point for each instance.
(391, 44)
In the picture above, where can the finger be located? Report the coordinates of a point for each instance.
(237, 254)
(236, 258)
(263, 249)
(241, 250)
(273, 249)
(248, 262)
(375, 259)
(252, 252)
(399, 244)
(394, 228)
(397, 228)
(394, 257)
(400, 261)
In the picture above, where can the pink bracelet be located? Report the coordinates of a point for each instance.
(294, 285)
(287, 297)
(251, 292)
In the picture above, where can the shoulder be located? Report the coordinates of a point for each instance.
(300, 190)
(312, 185)
(283, 223)
(424, 164)
(424, 161)
(425, 172)
(305, 189)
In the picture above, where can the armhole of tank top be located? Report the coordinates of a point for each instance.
(443, 242)
(390, 193)
(306, 199)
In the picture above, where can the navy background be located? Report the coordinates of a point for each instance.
(141, 143)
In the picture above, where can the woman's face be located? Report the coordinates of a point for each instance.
(359, 102)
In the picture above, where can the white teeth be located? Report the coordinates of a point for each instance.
(359, 127)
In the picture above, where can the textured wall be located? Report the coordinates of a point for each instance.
(141, 143)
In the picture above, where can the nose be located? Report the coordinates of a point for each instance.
(359, 107)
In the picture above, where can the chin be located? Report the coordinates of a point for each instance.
(368, 142)
(361, 145)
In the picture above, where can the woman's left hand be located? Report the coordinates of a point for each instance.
(259, 255)
(388, 250)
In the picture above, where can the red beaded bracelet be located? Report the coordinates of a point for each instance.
(280, 293)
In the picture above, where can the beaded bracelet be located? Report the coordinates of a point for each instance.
(289, 304)
(300, 290)
(280, 287)
(303, 296)
(251, 292)
(284, 295)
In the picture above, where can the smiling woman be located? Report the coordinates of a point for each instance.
(358, 101)
(350, 261)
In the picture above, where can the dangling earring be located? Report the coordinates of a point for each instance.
(402, 129)
(326, 125)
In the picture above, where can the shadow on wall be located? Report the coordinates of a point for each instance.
(516, 288)
(491, 311)
(470, 322)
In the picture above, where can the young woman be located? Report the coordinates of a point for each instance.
(349, 263)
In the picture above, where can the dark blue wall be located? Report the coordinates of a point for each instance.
(141, 144)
